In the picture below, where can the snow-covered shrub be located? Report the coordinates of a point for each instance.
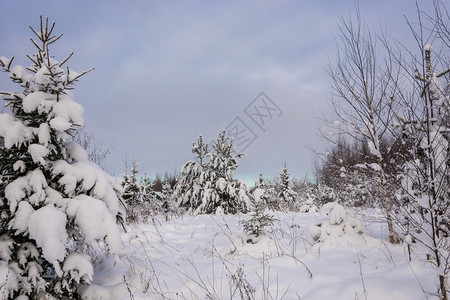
(254, 227)
(336, 225)
(56, 207)
(307, 204)
(326, 194)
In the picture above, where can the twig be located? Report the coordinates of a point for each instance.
(362, 277)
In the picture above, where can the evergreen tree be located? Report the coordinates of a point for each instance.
(260, 184)
(167, 190)
(254, 227)
(286, 194)
(189, 189)
(168, 204)
(125, 176)
(209, 187)
(146, 187)
(260, 193)
(54, 203)
(222, 193)
(132, 193)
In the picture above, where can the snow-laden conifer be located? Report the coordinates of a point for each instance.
(190, 187)
(261, 184)
(209, 187)
(287, 195)
(56, 206)
(168, 205)
(132, 190)
(255, 225)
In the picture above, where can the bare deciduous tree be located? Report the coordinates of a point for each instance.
(361, 97)
(425, 119)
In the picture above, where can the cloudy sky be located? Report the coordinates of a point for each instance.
(167, 71)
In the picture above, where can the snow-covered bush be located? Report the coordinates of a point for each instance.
(335, 226)
(326, 194)
(56, 208)
(307, 204)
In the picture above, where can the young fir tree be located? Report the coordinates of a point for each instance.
(209, 187)
(146, 187)
(132, 191)
(255, 226)
(189, 189)
(168, 203)
(54, 203)
(260, 184)
(260, 192)
(223, 193)
(286, 194)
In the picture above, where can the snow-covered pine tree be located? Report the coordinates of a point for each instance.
(223, 193)
(255, 226)
(260, 192)
(189, 189)
(260, 184)
(132, 191)
(54, 203)
(146, 186)
(167, 191)
(287, 195)
(125, 176)
(168, 202)
(209, 187)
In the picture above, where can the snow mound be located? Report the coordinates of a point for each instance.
(113, 280)
(336, 228)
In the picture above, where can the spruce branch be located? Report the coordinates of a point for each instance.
(66, 59)
(54, 39)
(36, 45)
(78, 76)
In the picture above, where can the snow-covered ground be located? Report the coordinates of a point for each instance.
(207, 257)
